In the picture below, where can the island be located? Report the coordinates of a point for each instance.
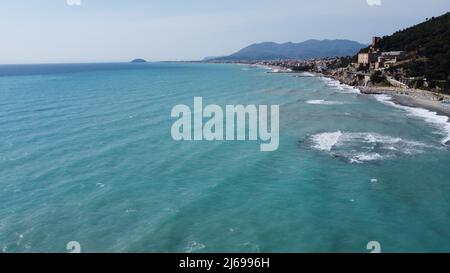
(138, 61)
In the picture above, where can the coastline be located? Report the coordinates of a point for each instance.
(412, 98)
(436, 111)
(416, 98)
(409, 97)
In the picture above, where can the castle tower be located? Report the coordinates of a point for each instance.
(375, 43)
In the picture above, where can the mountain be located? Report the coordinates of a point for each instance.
(208, 58)
(428, 44)
(304, 50)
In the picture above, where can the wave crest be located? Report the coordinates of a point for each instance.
(441, 122)
(323, 102)
(360, 147)
(344, 88)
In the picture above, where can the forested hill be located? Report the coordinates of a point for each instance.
(428, 44)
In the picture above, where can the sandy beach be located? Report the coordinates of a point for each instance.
(414, 98)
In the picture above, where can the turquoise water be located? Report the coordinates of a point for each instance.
(86, 155)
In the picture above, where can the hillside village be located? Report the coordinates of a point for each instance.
(374, 67)
(414, 58)
(371, 67)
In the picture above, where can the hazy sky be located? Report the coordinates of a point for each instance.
(42, 31)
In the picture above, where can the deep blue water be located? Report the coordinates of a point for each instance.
(86, 155)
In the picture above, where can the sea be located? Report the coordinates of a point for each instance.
(87, 156)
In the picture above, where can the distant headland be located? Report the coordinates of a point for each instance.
(138, 61)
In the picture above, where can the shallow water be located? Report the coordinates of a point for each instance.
(86, 155)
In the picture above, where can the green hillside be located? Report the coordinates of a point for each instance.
(428, 44)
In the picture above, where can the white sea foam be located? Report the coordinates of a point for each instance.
(194, 246)
(354, 90)
(360, 147)
(307, 74)
(438, 121)
(266, 67)
(333, 83)
(385, 99)
(326, 141)
(324, 102)
(359, 158)
(344, 88)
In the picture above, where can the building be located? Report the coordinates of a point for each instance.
(363, 58)
(389, 59)
(368, 58)
(398, 55)
(374, 59)
(371, 57)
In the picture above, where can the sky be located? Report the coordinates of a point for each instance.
(60, 31)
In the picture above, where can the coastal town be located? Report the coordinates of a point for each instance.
(373, 71)
(370, 68)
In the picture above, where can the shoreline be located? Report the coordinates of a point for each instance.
(411, 98)
(415, 98)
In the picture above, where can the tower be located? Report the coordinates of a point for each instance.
(375, 43)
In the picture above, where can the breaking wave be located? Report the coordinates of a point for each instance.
(438, 121)
(325, 141)
(344, 88)
(324, 102)
(307, 74)
(360, 147)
